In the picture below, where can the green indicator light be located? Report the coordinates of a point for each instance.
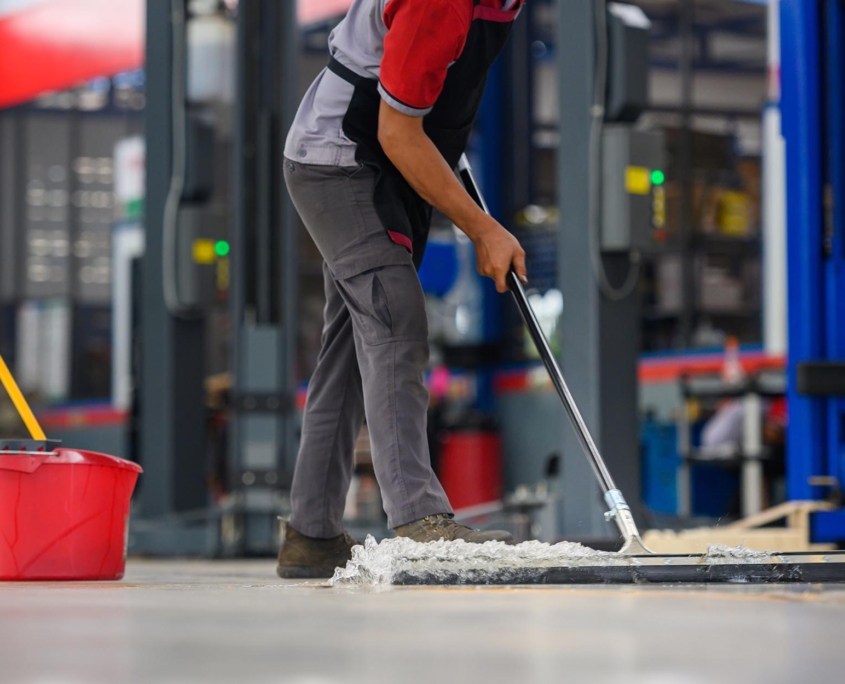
(658, 177)
(221, 248)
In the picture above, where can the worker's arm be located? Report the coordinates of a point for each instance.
(412, 152)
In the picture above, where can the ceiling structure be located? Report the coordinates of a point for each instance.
(728, 35)
(49, 45)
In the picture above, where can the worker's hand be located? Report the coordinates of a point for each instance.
(406, 144)
(496, 250)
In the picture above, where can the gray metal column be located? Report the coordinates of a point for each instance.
(583, 507)
(288, 283)
(599, 338)
(172, 413)
(264, 295)
(11, 223)
(685, 63)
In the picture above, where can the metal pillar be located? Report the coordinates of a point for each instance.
(171, 389)
(834, 239)
(801, 112)
(813, 102)
(685, 63)
(264, 299)
(518, 161)
(774, 200)
(598, 362)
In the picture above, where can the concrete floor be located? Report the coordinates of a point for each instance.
(178, 622)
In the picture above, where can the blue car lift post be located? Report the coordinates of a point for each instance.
(813, 106)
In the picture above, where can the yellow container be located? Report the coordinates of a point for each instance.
(734, 212)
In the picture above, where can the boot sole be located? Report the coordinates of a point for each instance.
(304, 572)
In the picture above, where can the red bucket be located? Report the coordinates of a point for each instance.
(471, 467)
(64, 515)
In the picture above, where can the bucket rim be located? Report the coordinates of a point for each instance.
(11, 460)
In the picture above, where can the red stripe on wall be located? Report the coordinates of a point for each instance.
(81, 417)
(668, 369)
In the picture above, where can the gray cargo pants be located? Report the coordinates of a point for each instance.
(374, 351)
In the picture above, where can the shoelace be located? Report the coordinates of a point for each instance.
(440, 522)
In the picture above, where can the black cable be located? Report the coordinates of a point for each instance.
(595, 171)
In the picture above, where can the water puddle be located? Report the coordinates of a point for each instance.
(457, 562)
(378, 563)
(719, 554)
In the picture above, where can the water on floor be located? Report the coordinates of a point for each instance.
(404, 561)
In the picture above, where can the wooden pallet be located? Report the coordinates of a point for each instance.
(748, 532)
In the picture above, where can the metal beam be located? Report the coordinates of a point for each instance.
(264, 302)
(834, 236)
(685, 67)
(598, 362)
(288, 276)
(802, 125)
(172, 433)
(580, 326)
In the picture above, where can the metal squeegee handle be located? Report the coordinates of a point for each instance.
(618, 509)
(596, 461)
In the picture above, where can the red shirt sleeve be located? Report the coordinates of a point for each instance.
(423, 38)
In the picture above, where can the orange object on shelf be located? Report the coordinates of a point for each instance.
(732, 370)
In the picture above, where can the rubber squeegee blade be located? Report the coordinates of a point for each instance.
(804, 567)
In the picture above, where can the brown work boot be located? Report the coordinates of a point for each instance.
(304, 557)
(441, 526)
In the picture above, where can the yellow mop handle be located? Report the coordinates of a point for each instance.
(20, 403)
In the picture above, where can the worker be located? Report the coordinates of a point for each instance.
(372, 149)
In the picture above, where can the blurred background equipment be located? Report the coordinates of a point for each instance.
(674, 171)
(159, 300)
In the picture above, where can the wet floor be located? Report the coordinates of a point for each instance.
(236, 622)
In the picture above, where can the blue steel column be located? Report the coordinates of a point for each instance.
(801, 98)
(491, 133)
(834, 270)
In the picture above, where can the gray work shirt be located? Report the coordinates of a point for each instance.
(357, 42)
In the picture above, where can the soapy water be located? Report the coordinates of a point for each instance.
(379, 563)
(458, 562)
(720, 554)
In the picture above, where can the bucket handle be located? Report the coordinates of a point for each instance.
(24, 411)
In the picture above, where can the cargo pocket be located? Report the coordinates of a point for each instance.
(380, 303)
(387, 304)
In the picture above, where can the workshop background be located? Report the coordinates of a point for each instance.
(675, 170)
(161, 301)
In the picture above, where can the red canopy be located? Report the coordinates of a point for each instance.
(55, 44)
(48, 45)
(312, 11)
